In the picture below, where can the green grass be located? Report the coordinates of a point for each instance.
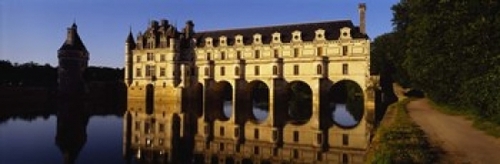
(399, 139)
(490, 126)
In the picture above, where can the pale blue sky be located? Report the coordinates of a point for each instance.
(33, 30)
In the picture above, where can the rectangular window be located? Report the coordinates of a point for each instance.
(161, 128)
(150, 57)
(221, 131)
(138, 72)
(344, 50)
(238, 54)
(221, 146)
(275, 70)
(256, 133)
(160, 141)
(137, 125)
(295, 136)
(222, 71)
(345, 158)
(223, 55)
(319, 69)
(257, 54)
(257, 71)
(296, 52)
(345, 139)
(209, 56)
(256, 150)
(319, 156)
(162, 57)
(146, 128)
(345, 69)
(237, 71)
(319, 51)
(296, 70)
(295, 153)
(138, 58)
(162, 71)
(150, 71)
(276, 53)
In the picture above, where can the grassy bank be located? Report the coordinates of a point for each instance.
(399, 140)
(490, 126)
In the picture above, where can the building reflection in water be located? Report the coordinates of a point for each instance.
(153, 137)
(167, 135)
(71, 133)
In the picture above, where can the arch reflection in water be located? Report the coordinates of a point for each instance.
(341, 116)
(169, 136)
(345, 103)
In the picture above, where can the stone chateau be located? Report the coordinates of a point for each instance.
(179, 80)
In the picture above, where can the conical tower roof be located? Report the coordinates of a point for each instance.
(130, 38)
(73, 41)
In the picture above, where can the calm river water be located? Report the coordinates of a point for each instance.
(67, 135)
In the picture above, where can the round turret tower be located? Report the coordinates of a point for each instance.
(73, 60)
(129, 47)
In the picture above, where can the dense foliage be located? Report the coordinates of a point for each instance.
(449, 49)
(300, 101)
(27, 74)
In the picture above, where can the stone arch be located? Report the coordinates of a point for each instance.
(223, 100)
(299, 102)
(345, 103)
(259, 98)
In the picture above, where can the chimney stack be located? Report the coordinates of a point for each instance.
(362, 19)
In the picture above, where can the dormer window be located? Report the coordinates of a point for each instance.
(257, 38)
(297, 36)
(276, 37)
(320, 34)
(239, 39)
(345, 33)
(208, 42)
(223, 40)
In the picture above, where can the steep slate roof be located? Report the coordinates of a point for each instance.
(130, 38)
(73, 41)
(332, 32)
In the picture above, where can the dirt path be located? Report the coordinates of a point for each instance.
(460, 142)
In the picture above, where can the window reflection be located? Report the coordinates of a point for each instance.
(172, 136)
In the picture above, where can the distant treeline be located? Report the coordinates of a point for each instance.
(35, 75)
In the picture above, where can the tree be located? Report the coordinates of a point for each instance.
(452, 50)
